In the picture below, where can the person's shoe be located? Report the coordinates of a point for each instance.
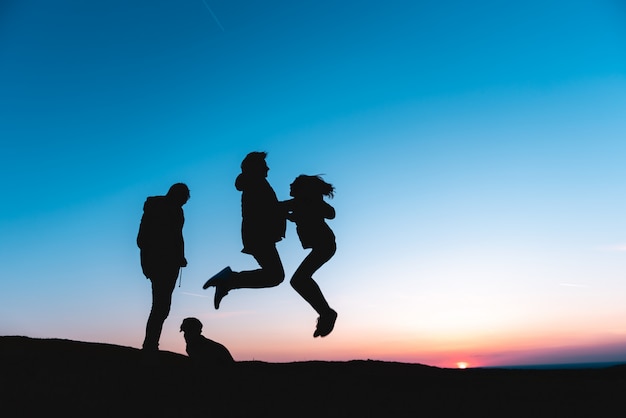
(325, 324)
(224, 274)
(220, 292)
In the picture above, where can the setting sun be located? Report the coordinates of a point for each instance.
(462, 365)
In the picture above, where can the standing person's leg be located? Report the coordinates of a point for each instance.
(303, 283)
(162, 289)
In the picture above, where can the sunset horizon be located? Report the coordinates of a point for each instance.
(476, 153)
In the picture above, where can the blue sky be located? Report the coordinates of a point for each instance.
(477, 152)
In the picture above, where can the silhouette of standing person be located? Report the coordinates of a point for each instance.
(263, 225)
(309, 211)
(162, 252)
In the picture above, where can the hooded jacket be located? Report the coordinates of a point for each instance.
(263, 220)
(160, 236)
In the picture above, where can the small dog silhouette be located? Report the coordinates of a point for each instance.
(201, 350)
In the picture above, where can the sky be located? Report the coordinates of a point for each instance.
(477, 151)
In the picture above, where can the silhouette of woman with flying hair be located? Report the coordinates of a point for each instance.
(263, 225)
(309, 210)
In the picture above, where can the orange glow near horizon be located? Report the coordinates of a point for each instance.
(286, 342)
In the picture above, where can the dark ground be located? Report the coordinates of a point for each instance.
(50, 377)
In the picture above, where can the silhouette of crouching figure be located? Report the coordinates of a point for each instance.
(201, 350)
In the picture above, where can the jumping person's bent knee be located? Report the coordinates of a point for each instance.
(276, 277)
(296, 281)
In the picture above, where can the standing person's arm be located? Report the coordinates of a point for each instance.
(183, 260)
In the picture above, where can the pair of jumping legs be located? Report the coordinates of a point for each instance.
(272, 274)
(303, 283)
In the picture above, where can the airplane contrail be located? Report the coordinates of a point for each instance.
(194, 294)
(213, 14)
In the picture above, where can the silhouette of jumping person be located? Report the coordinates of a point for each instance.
(263, 225)
(162, 252)
(201, 350)
(309, 210)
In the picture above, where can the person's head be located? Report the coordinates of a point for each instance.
(191, 326)
(254, 164)
(179, 193)
(311, 187)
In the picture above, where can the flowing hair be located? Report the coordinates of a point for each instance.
(313, 186)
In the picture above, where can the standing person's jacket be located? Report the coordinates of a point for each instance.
(160, 236)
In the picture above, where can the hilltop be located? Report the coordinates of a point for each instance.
(54, 376)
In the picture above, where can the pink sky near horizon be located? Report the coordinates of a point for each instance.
(495, 352)
(533, 345)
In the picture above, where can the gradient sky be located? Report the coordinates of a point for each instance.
(477, 150)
